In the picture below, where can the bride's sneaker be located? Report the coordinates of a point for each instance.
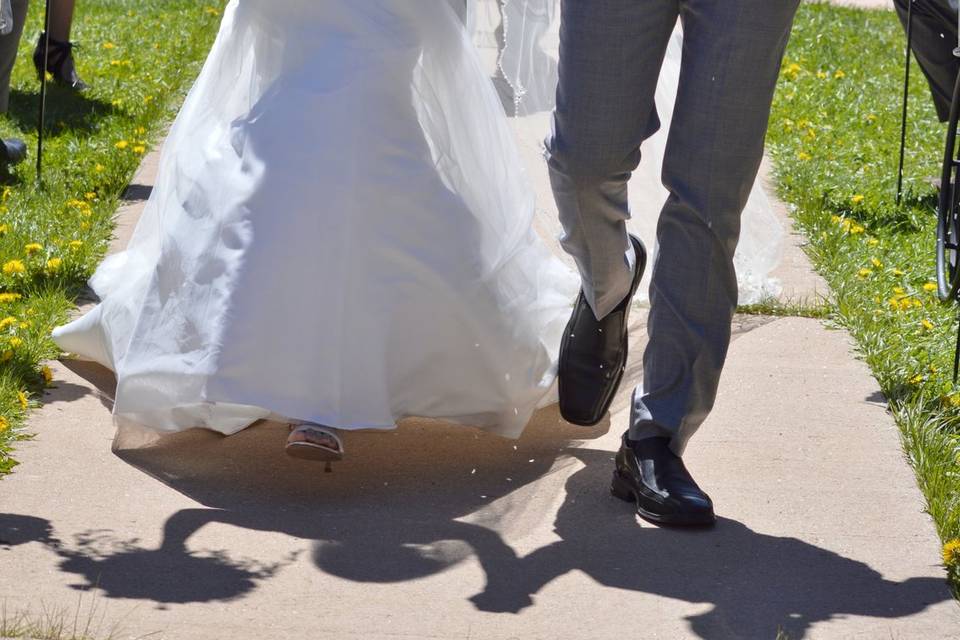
(315, 442)
(593, 354)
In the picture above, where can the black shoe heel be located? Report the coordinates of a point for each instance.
(60, 63)
(620, 488)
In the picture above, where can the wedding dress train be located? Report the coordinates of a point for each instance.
(341, 233)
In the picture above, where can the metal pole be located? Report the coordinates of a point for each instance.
(43, 92)
(906, 93)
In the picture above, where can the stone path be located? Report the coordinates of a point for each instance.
(435, 531)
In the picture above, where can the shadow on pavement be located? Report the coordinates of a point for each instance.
(420, 500)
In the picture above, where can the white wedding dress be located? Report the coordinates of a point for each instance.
(342, 232)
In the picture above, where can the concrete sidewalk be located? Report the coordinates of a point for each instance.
(436, 531)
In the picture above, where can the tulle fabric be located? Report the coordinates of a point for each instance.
(341, 233)
(526, 34)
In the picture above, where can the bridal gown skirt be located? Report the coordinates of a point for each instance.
(341, 233)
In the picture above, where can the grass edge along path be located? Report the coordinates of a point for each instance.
(834, 136)
(140, 58)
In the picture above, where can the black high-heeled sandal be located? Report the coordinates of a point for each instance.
(59, 63)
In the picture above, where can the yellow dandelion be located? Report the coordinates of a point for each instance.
(929, 286)
(855, 229)
(99, 168)
(7, 322)
(839, 74)
(822, 74)
(951, 553)
(917, 379)
(897, 272)
(4, 425)
(9, 297)
(47, 374)
(54, 264)
(33, 248)
(139, 149)
(23, 399)
(793, 70)
(876, 263)
(865, 273)
(90, 195)
(6, 356)
(873, 242)
(804, 156)
(4, 229)
(15, 342)
(211, 11)
(76, 244)
(14, 267)
(123, 144)
(871, 117)
(857, 199)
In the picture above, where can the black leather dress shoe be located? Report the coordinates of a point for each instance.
(593, 355)
(650, 475)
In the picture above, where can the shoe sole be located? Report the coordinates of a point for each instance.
(312, 452)
(641, 253)
(621, 489)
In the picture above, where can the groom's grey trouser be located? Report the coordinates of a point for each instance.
(611, 52)
(8, 50)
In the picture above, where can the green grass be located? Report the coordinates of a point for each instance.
(87, 621)
(834, 137)
(140, 56)
(777, 308)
